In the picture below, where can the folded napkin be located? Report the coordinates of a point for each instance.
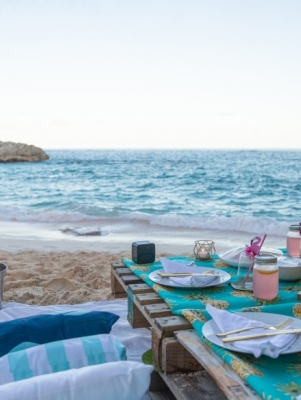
(170, 266)
(288, 262)
(270, 346)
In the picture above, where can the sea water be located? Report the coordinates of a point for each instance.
(252, 192)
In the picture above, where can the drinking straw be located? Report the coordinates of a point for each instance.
(252, 263)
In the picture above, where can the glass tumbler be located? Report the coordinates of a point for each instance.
(293, 241)
(265, 277)
(244, 264)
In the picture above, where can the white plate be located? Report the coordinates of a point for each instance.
(221, 278)
(210, 329)
(231, 257)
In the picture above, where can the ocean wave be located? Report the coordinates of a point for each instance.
(244, 224)
(42, 216)
(236, 223)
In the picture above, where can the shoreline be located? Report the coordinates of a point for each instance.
(17, 236)
(47, 267)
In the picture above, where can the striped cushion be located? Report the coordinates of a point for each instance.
(60, 356)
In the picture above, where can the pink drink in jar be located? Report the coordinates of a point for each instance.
(293, 241)
(265, 277)
(265, 284)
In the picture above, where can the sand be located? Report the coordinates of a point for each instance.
(45, 278)
(58, 277)
(51, 269)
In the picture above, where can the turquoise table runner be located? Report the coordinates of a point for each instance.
(272, 379)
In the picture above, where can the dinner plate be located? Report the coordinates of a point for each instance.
(231, 257)
(222, 277)
(210, 329)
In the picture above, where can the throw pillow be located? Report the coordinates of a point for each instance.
(47, 328)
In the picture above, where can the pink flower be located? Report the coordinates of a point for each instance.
(254, 249)
(249, 251)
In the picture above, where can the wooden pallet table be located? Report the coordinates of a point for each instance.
(189, 369)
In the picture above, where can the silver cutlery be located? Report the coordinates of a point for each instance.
(281, 325)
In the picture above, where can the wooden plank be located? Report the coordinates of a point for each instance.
(193, 386)
(157, 347)
(123, 271)
(175, 358)
(128, 279)
(136, 310)
(136, 315)
(115, 265)
(117, 287)
(229, 382)
(162, 394)
(156, 382)
(137, 288)
(148, 298)
(158, 310)
(162, 328)
(171, 324)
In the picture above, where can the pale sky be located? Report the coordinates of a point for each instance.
(151, 73)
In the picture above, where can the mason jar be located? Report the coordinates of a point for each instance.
(265, 277)
(293, 241)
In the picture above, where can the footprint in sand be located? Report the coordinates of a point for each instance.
(60, 284)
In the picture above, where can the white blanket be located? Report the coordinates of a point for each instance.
(136, 341)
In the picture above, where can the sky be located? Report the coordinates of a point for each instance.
(222, 74)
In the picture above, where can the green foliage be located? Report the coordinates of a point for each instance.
(147, 359)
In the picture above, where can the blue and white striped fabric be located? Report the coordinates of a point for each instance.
(61, 355)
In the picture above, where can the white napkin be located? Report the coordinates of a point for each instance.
(170, 266)
(289, 262)
(270, 346)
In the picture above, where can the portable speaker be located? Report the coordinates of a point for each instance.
(143, 252)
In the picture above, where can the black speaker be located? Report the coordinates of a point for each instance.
(143, 252)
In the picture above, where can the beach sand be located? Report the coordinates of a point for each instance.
(53, 268)
(57, 277)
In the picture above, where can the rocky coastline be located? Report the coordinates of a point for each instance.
(16, 152)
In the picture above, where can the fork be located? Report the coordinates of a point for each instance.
(281, 325)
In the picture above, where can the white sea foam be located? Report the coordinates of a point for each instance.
(237, 223)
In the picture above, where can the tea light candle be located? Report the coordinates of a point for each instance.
(203, 253)
(203, 249)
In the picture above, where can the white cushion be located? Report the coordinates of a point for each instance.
(121, 380)
(60, 356)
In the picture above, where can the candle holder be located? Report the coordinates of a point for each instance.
(203, 250)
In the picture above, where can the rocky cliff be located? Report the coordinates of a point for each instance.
(14, 152)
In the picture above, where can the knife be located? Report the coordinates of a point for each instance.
(260, 335)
